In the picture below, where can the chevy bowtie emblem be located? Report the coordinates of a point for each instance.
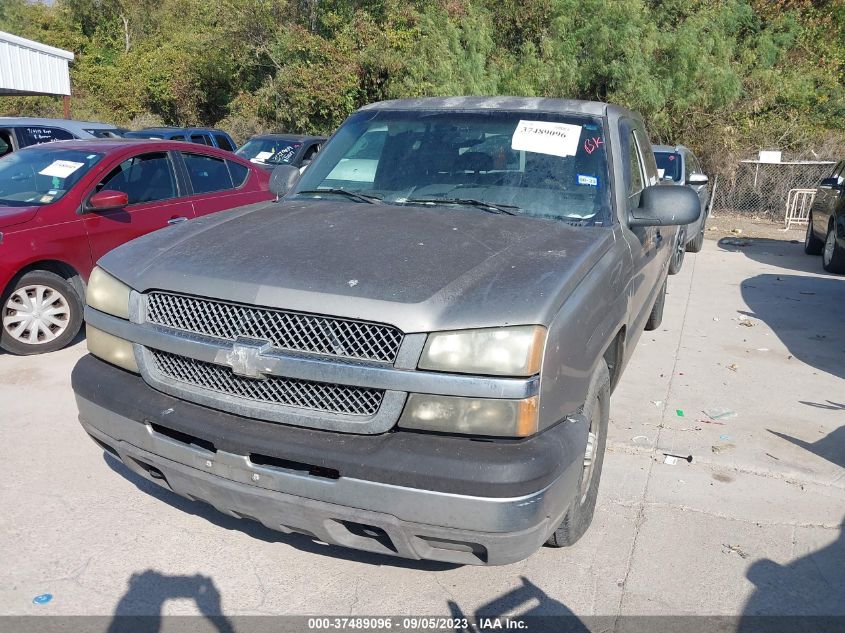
(245, 357)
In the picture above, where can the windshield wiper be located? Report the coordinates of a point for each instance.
(360, 197)
(490, 207)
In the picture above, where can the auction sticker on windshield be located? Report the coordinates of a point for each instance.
(60, 168)
(544, 137)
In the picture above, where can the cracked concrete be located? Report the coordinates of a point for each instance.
(666, 539)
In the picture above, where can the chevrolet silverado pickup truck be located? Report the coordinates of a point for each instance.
(412, 350)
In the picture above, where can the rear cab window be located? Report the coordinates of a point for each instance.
(668, 165)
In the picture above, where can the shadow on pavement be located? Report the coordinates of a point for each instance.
(811, 585)
(786, 254)
(258, 531)
(831, 447)
(527, 601)
(805, 313)
(149, 590)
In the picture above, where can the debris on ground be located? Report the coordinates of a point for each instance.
(736, 231)
(712, 422)
(735, 549)
(679, 412)
(671, 460)
(688, 458)
(742, 243)
(733, 366)
(762, 349)
(720, 414)
(44, 598)
(715, 318)
(641, 440)
(657, 403)
(722, 448)
(777, 459)
(745, 321)
(724, 438)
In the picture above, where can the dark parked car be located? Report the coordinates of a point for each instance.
(826, 225)
(19, 132)
(201, 135)
(271, 150)
(64, 204)
(678, 165)
(419, 364)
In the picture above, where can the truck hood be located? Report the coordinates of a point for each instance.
(9, 216)
(420, 269)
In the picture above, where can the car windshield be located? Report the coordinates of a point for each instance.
(520, 163)
(42, 175)
(668, 165)
(269, 151)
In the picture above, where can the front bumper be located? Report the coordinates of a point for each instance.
(406, 494)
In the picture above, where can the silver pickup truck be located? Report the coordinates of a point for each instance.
(412, 351)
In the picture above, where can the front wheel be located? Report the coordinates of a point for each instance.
(677, 261)
(697, 243)
(41, 313)
(583, 505)
(833, 256)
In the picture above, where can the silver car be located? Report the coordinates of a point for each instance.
(19, 132)
(678, 165)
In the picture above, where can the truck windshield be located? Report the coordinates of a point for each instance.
(668, 165)
(269, 151)
(42, 175)
(520, 163)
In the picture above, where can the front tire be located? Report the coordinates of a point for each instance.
(583, 505)
(833, 256)
(812, 244)
(697, 243)
(41, 313)
(677, 261)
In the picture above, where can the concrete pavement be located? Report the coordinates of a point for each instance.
(754, 525)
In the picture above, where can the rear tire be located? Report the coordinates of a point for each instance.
(656, 316)
(583, 505)
(41, 312)
(812, 244)
(833, 255)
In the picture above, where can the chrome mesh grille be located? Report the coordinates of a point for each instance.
(288, 392)
(287, 330)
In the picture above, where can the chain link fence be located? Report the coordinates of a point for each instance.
(761, 189)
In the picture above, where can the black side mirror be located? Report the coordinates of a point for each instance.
(283, 179)
(663, 205)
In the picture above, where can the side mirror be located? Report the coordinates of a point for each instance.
(283, 179)
(106, 200)
(696, 180)
(666, 206)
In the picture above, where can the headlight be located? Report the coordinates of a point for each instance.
(107, 294)
(473, 416)
(505, 351)
(110, 348)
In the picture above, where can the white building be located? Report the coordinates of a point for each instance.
(30, 68)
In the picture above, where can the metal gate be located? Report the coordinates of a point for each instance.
(798, 204)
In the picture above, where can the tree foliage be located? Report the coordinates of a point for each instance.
(725, 76)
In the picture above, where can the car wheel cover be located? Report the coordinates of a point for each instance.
(829, 246)
(590, 454)
(36, 314)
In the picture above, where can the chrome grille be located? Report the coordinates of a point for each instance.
(289, 392)
(287, 330)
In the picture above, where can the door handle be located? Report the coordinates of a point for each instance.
(177, 219)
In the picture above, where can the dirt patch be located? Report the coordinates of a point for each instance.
(725, 479)
(724, 225)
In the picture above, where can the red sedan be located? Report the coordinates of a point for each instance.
(64, 204)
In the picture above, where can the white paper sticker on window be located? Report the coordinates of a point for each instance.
(60, 168)
(263, 156)
(543, 137)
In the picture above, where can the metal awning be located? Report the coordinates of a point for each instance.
(30, 68)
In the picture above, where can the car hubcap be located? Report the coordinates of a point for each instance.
(829, 245)
(36, 314)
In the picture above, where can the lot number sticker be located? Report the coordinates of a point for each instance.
(543, 137)
(60, 168)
